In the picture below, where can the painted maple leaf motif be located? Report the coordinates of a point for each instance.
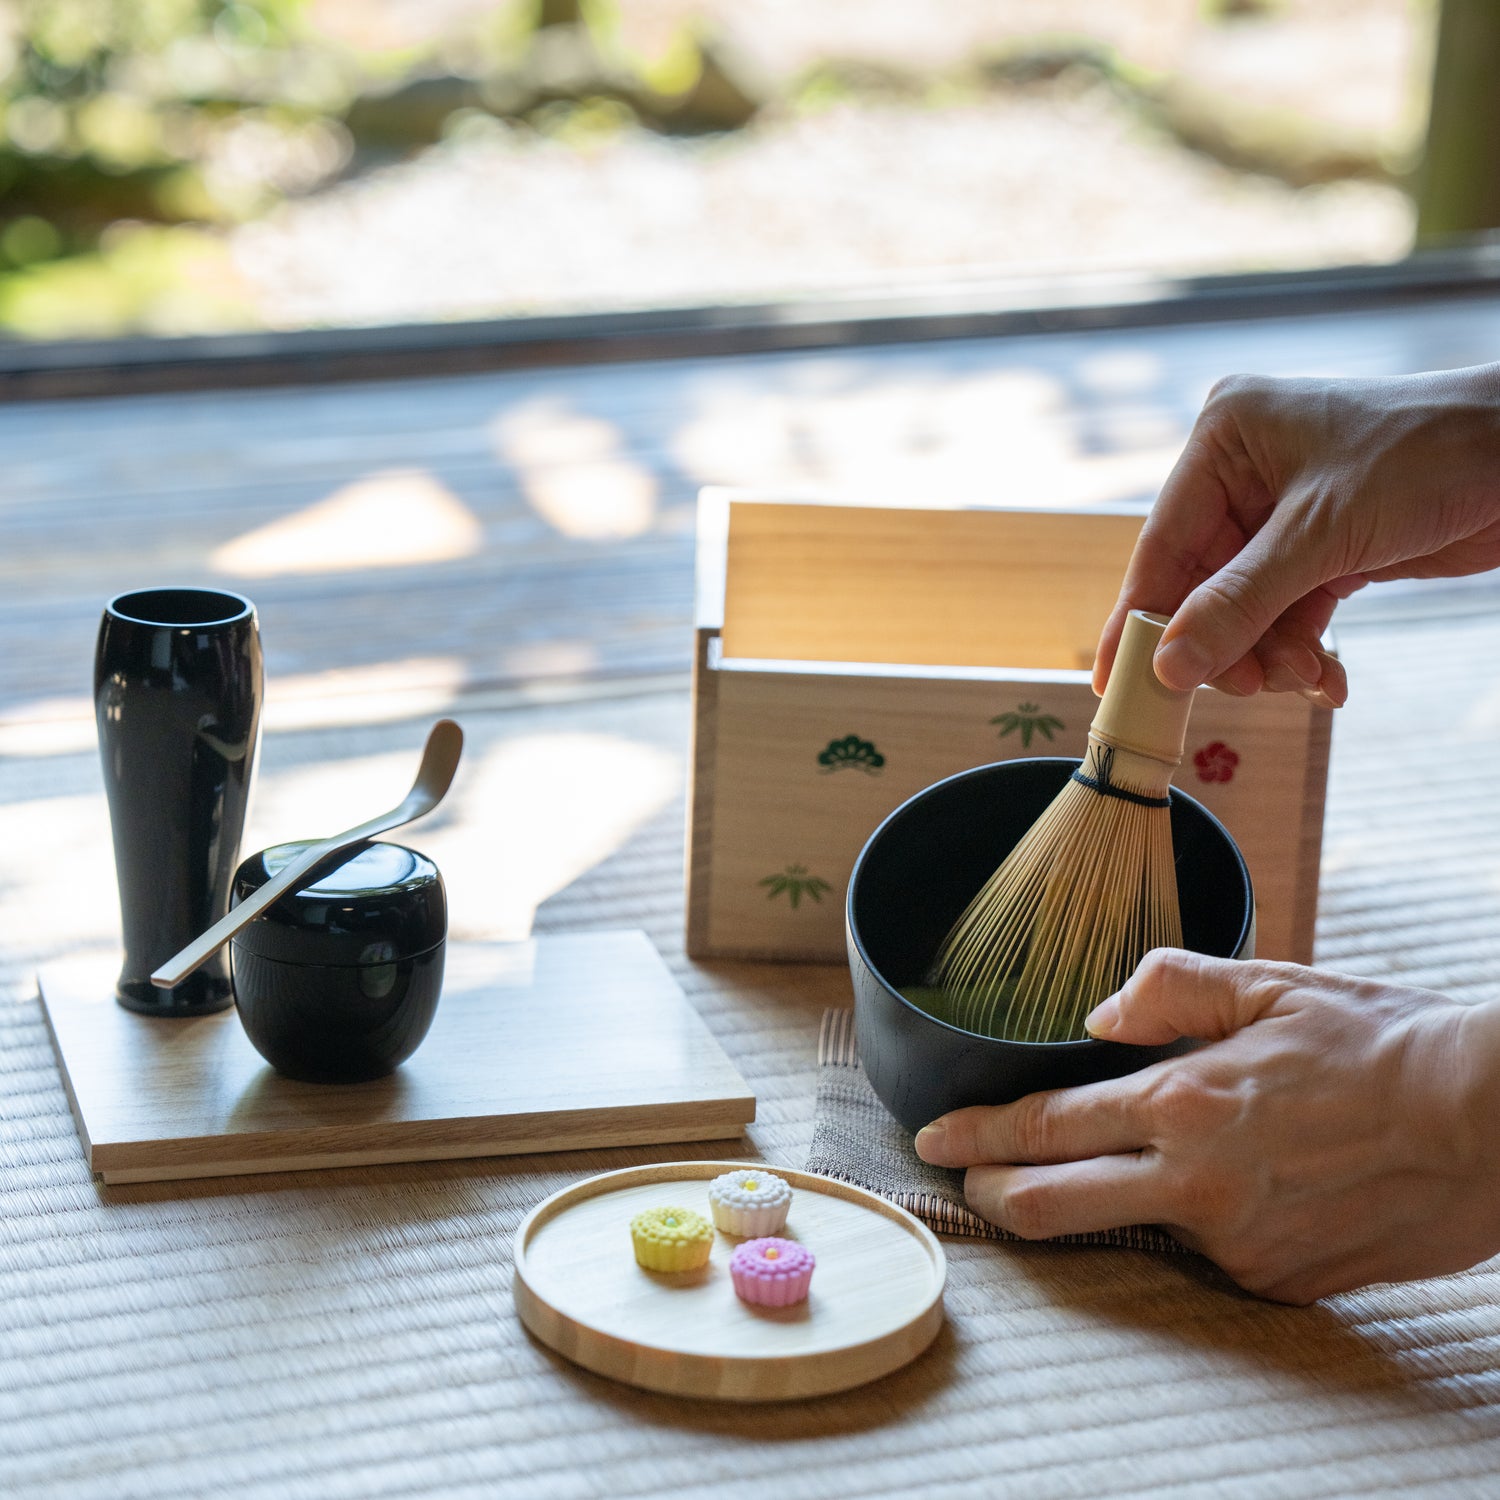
(1027, 719)
(794, 883)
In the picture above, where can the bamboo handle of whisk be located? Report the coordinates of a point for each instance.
(1139, 712)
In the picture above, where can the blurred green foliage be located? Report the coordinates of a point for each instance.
(112, 108)
(142, 277)
(133, 132)
(119, 118)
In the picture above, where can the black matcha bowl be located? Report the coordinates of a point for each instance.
(916, 874)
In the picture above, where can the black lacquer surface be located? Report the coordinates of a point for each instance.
(330, 1023)
(339, 980)
(177, 698)
(914, 877)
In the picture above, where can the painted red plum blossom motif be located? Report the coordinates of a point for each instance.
(1216, 762)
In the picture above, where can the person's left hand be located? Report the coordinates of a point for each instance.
(1334, 1132)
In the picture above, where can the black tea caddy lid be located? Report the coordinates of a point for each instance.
(377, 903)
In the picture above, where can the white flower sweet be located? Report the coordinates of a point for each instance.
(749, 1201)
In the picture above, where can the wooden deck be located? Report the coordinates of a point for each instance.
(463, 534)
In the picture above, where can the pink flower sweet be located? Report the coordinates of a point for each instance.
(771, 1272)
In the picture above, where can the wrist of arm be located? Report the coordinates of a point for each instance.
(1476, 1077)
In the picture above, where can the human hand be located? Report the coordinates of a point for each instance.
(1333, 1132)
(1292, 494)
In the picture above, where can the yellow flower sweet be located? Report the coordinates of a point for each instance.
(671, 1239)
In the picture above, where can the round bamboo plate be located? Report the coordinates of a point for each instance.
(876, 1300)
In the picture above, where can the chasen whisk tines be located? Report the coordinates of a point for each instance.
(1092, 886)
(1079, 902)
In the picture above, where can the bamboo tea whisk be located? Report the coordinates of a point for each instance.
(1091, 888)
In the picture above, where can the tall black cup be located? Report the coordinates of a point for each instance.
(177, 696)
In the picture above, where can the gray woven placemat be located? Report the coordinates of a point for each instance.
(856, 1140)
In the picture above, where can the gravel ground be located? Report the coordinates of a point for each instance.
(865, 194)
(856, 196)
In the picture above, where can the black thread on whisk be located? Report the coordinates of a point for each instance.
(1104, 758)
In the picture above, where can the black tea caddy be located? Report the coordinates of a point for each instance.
(338, 982)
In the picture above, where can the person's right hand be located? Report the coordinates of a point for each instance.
(1292, 494)
(1332, 1132)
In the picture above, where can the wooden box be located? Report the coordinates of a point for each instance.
(848, 656)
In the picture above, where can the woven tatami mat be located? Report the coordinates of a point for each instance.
(350, 1334)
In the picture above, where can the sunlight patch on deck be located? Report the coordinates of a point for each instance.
(49, 726)
(393, 518)
(538, 811)
(575, 472)
(382, 693)
(989, 438)
(57, 875)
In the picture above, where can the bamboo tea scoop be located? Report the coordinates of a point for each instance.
(434, 776)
